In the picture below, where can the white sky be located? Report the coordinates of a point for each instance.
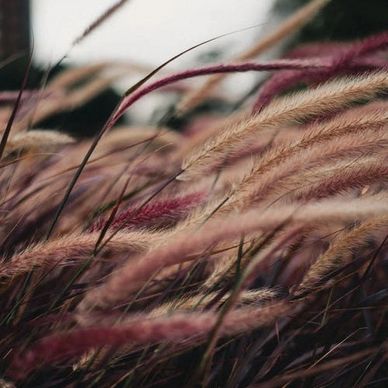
(147, 31)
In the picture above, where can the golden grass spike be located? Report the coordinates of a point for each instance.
(188, 244)
(70, 249)
(198, 302)
(341, 252)
(37, 141)
(349, 123)
(269, 179)
(329, 96)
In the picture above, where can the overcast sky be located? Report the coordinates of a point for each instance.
(147, 31)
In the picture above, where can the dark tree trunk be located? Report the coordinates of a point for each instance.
(14, 27)
(340, 19)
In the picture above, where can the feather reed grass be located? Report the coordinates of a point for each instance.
(140, 330)
(69, 250)
(341, 251)
(302, 106)
(189, 245)
(247, 249)
(37, 141)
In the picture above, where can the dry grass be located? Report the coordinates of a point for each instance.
(252, 252)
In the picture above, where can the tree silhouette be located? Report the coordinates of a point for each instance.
(340, 19)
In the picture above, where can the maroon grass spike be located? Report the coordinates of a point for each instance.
(281, 64)
(343, 61)
(163, 213)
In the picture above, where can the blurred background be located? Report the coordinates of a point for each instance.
(147, 32)
(142, 32)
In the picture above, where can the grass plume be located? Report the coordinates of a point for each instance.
(247, 249)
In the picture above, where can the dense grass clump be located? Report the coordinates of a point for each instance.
(248, 249)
